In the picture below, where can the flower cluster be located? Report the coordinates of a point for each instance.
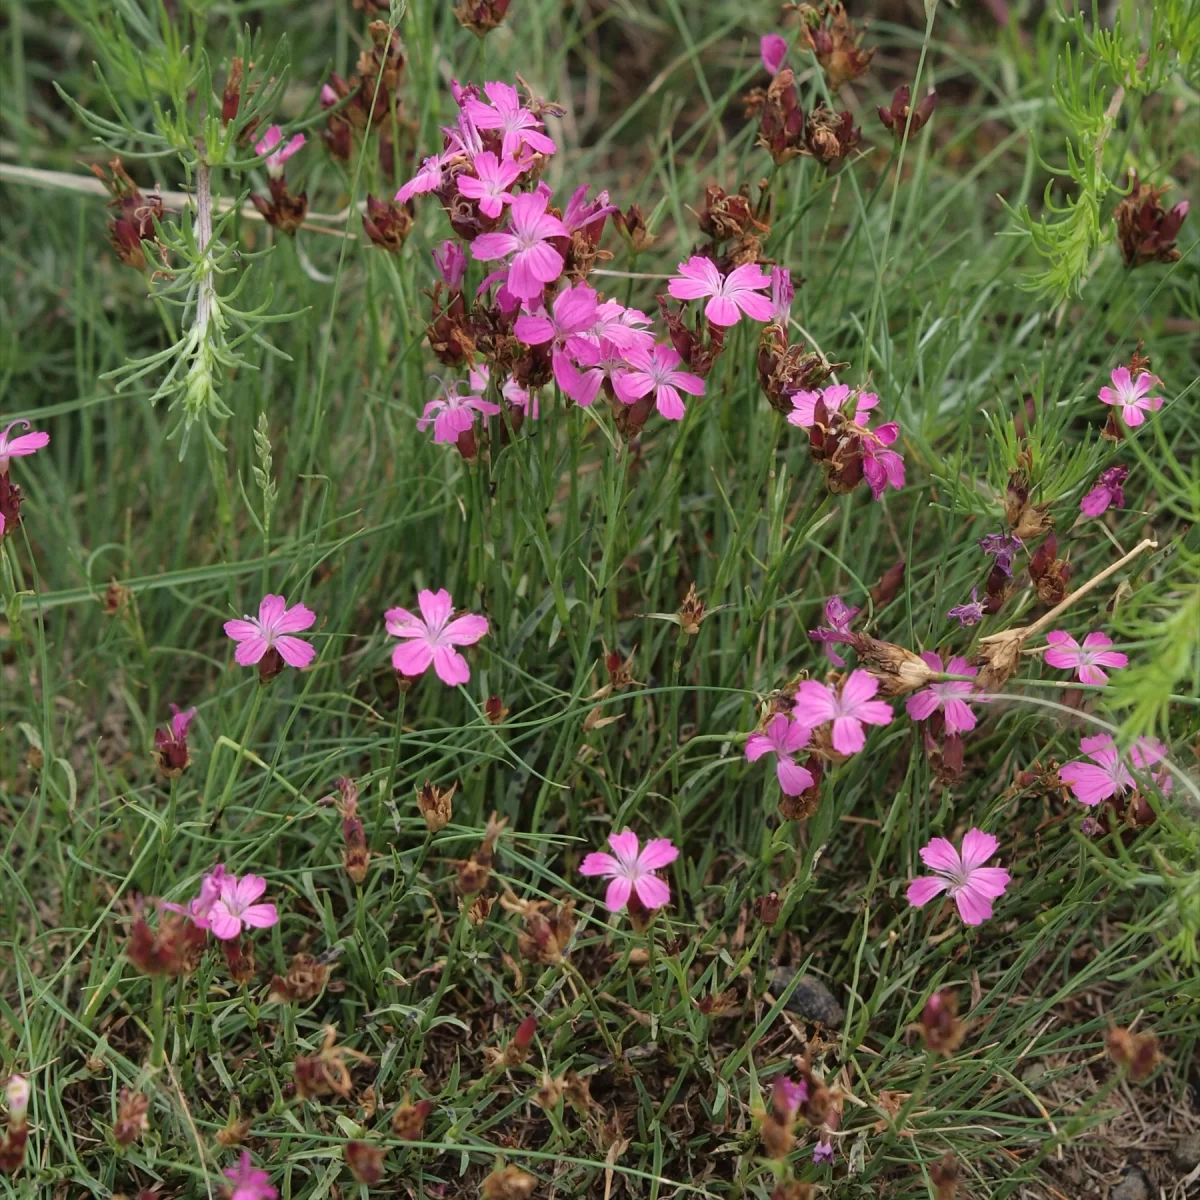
(10, 494)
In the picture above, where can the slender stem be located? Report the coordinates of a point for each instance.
(247, 729)
(158, 1024)
(397, 736)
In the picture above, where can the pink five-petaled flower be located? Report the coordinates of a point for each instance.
(730, 295)
(431, 637)
(271, 630)
(1109, 489)
(970, 884)
(276, 153)
(657, 371)
(786, 1096)
(574, 312)
(783, 737)
(839, 615)
(817, 703)
(1106, 775)
(804, 405)
(235, 906)
(534, 261)
(520, 126)
(19, 446)
(491, 181)
(200, 907)
(451, 414)
(1130, 395)
(249, 1183)
(1064, 652)
(950, 695)
(631, 871)
(883, 468)
(773, 49)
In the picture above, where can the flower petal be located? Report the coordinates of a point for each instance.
(295, 651)
(657, 853)
(977, 848)
(624, 846)
(815, 703)
(652, 891)
(250, 651)
(923, 889)
(972, 907)
(848, 735)
(599, 863)
(450, 666)
(466, 630)
(940, 855)
(617, 894)
(436, 607)
(794, 779)
(412, 658)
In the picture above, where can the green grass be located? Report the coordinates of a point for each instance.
(573, 543)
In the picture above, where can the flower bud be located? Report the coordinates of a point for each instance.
(408, 1121)
(436, 805)
(132, 1119)
(387, 223)
(940, 1027)
(365, 1162)
(1136, 1052)
(508, 1183)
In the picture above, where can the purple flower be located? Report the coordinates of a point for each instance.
(773, 49)
(839, 616)
(787, 1096)
(582, 212)
(632, 870)
(729, 295)
(276, 153)
(535, 262)
(451, 414)
(970, 884)
(950, 695)
(1109, 490)
(883, 468)
(657, 371)
(1131, 395)
(823, 1152)
(491, 181)
(783, 737)
(967, 614)
(427, 179)
(1107, 774)
(1004, 547)
(520, 127)
(783, 292)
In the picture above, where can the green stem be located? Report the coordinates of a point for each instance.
(397, 736)
(247, 729)
(158, 1024)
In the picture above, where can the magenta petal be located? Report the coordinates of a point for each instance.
(412, 658)
(466, 630)
(295, 652)
(940, 855)
(625, 846)
(657, 853)
(652, 891)
(599, 863)
(261, 916)
(923, 889)
(977, 848)
(450, 666)
(794, 779)
(250, 651)
(848, 735)
(617, 894)
(972, 907)
(922, 705)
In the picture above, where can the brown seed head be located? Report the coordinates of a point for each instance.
(132, 1117)
(365, 1162)
(1136, 1052)
(436, 805)
(408, 1121)
(939, 1026)
(508, 1183)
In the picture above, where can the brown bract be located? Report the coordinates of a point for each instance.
(326, 1072)
(939, 1026)
(408, 1121)
(898, 670)
(1136, 1052)
(136, 214)
(174, 948)
(784, 369)
(285, 211)
(436, 805)
(829, 137)
(834, 41)
(1145, 231)
(387, 223)
(481, 16)
(132, 1119)
(781, 119)
(305, 980)
(508, 1183)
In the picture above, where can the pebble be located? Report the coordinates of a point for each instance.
(811, 999)
(1185, 1154)
(1133, 1186)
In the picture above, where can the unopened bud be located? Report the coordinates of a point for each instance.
(436, 805)
(940, 1027)
(508, 1183)
(365, 1162)
(408, 1121)
(1136, 1052)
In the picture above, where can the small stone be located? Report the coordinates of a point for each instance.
(1185, 1154)
(1034, 1072)
(1133, 1185)
(811, 1000)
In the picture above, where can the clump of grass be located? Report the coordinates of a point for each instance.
(713, 716)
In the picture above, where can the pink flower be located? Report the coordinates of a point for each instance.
(626, 328)
(731, 295)
(970, 884)
(1067, 654)
(773, 49)
(535, 262)
(1106, 775)
(451, 262)
(274, 623)
(657, 371)
(1130, 395)
(782, 294)
(520, 397)
(277, 154)
(598, 362)
(1004, 547)
(16, 1095)
(170, 744)
(950, 695)
(631, 871)
(427, 179)
(431, 637)
(520, 127)
(783, 737)
(967, 614)
(235, 907)
(249, 1183)
(823, 1151)
(574, 312)
(817, 703)
(1109, 489)
(883, 468)
(804, 405)
(490, 183)
(200, 906)
(19, 446)
(451, 414)
(839, 615)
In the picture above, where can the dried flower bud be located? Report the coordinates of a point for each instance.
(304, 981)
(285, 211)
(804, 805)
(781, 119)
(135, 217)
(436, 805)
(232, 95)
(408, 1121)
(836, 46)
(365, 1162)
(631, 225)
(1049, 573)
(234, 1132)
(896, 116)
(884, 592)
(944, 1175)
(387, 223)
(132, 1120)
(898, 670)
(939, 1026)
(170, 744)
(481, 16)
(1145, 231)
(767, 908)
(829, 137)
(10, 505)
(495, 711)
(326, 1072)
(726, 216)
(1136, 1052)
(239, 958)
(784, 369)
(12, 1144)
(548, 928)
(508, 1183)
(691, 612)
(174, 948)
